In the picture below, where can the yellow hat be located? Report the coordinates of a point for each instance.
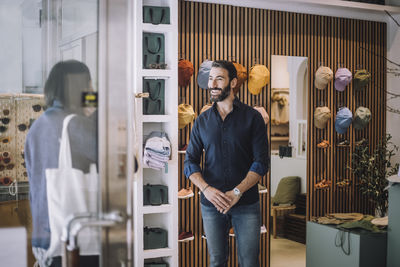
(205, 107)
(322, 77)
(258, 78)
(321, 117)
(186, 115)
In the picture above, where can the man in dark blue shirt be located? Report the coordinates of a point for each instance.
(234, 138)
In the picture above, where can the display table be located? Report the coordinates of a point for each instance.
(393, 256)
(365, 249)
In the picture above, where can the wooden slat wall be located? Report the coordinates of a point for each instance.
(250, 36)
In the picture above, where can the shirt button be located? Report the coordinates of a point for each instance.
(224, 141)
(224, 128)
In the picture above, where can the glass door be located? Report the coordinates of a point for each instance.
(63, 57)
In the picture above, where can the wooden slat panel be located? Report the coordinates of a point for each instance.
(249, 36)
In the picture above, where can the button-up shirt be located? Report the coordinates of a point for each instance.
(233, 147)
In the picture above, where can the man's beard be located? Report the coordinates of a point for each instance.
(221, 97)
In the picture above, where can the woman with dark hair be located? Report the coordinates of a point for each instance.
(63, 89)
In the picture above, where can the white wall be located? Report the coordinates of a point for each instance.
(31, 46)
(287, 167)
(297, 96)
(393, 45)
(11, 48)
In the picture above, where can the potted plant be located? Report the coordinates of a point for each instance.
(371, 170)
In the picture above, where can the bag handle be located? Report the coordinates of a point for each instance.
(64, 156)
(150, 87)
(150, 49)
(149, 101)
(161, 18)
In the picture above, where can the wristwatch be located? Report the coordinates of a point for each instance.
(237, 192)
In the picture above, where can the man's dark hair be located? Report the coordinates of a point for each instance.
(66, 81)
(226, 65)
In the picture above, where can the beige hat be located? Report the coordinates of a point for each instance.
(381, 221)
(258, 78)
(205, 107)
(263, 113)
(186, 115)
(321, 117)
(322, 77)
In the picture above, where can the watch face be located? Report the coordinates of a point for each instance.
(236, 191)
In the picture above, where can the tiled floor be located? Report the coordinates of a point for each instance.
(287, 253)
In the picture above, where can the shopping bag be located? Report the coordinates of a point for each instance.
(154, 104)
(155, 194)
(156, 14)
(155, 237)
(153, 50)
(70, 191)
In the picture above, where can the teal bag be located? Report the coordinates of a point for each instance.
(153, 50)
(155, 238)
(156, 14)
(156, 264)
(155, 103)
(155, 194)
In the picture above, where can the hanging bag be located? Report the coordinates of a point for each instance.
(153, 49)
(71, 191)
(154, 104)
(156, 14)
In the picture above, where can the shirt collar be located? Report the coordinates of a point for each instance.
(236, 104)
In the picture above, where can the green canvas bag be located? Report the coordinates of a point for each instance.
(155, 238)
(156, 264)
(155, 194)
(153, 49)
(155, 103)
(156, 14)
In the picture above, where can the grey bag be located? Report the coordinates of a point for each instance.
(153, 50)
(155, 194)
(155, 238)
(155, 103)
(156, 14)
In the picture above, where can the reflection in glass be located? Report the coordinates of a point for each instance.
(288, 159)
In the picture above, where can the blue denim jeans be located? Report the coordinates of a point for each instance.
(245, 220)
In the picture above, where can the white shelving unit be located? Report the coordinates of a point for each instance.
(163, 216)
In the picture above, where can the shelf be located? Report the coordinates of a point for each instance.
(159, 28)
(156, 118)
(344, 146)
(161, 170)
(279, 138)
(157, 253)
(157, 73)
(157, 209)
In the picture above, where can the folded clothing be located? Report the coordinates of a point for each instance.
(158, 142)
(157, 150)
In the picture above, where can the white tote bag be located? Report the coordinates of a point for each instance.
(71, 191)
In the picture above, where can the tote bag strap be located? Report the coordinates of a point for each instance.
(64, 158)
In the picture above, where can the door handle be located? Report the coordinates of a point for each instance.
(76, 223)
